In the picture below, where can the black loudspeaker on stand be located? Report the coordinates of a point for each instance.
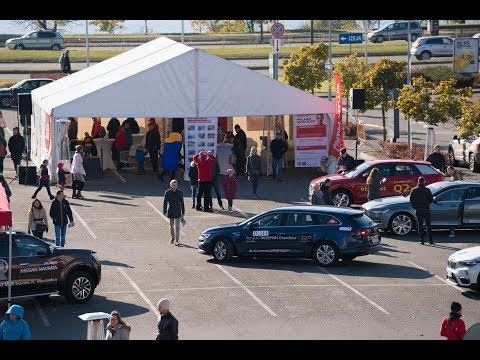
(25, 109)
(357, 99)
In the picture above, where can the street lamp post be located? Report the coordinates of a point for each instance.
(366, 41)
(409, 83)
(330, 59)
(86, 43)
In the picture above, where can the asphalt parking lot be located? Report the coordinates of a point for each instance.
(398, 293)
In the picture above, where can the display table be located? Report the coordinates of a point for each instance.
(223, 152)
(104, 151)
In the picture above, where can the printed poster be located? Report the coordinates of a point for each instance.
(311, 142)
(200, 134)
(465, 55)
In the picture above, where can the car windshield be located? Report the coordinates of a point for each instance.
(17, 85)
(27, 35)
(358, 170)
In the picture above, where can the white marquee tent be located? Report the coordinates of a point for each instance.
(162, 78)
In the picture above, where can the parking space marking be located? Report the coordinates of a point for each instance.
(355, 291)
(248, 291)
(437, 277)
(240, 211)
(77, 215)
(119, 175)
(210, 216)
(42, 314)
(162, 216)
(139, 291)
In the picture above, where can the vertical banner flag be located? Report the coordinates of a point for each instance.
(310, 140)
(200, 134)
(336, 141)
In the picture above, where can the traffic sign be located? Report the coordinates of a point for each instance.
(350, 38)
(328, 66)
(277, 45)
(277, 29)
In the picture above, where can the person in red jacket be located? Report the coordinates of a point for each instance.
(97, 123)
(453, 328)
(120, 144)
(204, 164)
(229, 184)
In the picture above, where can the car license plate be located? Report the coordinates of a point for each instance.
(375, 240)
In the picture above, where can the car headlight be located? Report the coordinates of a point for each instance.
(468, 263)
(95, 255)
(379, 212)
(204, 237)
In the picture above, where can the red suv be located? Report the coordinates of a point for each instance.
(400, 177)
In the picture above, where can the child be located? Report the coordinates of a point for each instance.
(453, 328)
(193, 175)
(44, 180)
(14, 327)
(229, 188)
(61, 178)
(140, 158)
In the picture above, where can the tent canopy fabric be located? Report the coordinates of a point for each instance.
(164, 78)
(5, 212)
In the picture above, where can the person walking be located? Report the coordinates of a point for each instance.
(452, 327)
(64, 61)
(229, 185)
(253, 165)
(117, 329)
(61, 213)
(61, 176)
(373, 185)
(3, 152)
(78, 173)
(317, 195)
(112, 127)
(421, 198)
(14, 327)
(167, 323)
(437, 159)
(44, 180)
(453, 174)
(174, 210)
(240, 148)
(327, 193)
(37, 219)
(215, 184)
(152, 144)
(16, 146)
(345, 162)
(278, 147)
(204, 164)
(193, 176)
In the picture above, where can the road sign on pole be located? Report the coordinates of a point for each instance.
(350, 38)
(328, 66)
(277, 29)
(277, 45)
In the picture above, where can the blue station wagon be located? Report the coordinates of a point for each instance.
(323, 233)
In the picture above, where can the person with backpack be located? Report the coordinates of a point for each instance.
(64, 62)
(44, 180)
(453, 328)
(3, 152)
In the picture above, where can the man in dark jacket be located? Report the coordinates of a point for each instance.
(16, 145)
(240, 148)
(346, 162)
(61, 213)
(152, 144)
(278, 147)
(73, 133)
(174, 210)
(167, 323)
(421, 198)
(437, 159)
(215, 185)
(134, 128)
(112, 127)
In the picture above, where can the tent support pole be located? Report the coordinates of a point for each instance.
(196, 83)
(9, 266)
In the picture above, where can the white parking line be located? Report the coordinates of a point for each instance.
(41, 313)
(162, 216)
(139, 291)
(92, 234)
(355, 291)
(437, 277)
(119, 175)
(248, 291)
(240, 211)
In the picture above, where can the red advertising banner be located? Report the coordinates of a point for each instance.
(311, 142)
(336, 141)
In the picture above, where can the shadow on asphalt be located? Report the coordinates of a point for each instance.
(108, 202)
(473, 295)
(357, 267)
(115, 263)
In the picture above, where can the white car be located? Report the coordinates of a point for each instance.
(463, 268)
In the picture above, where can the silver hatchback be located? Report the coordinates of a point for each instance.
(39, 39)
(425, 48)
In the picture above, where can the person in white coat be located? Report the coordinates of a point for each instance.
(78, 173)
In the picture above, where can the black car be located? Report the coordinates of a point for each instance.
(323, 233)
(39, 268)
(9, 96)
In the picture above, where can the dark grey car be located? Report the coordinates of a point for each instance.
(456, 204)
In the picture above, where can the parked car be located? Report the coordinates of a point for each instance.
(323, 233)
(8, 96)
(425, 48)
(400, 177)
(463, 268)
(39, 39)
(39, 269)
(465, 151)
(457, 203)
(396, 31)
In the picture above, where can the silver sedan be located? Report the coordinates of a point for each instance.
(455, 204)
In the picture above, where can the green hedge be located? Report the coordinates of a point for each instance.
(444, 72)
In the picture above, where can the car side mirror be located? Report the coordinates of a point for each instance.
(434, 199)
(42, 252)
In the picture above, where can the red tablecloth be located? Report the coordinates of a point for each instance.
(5, 212)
